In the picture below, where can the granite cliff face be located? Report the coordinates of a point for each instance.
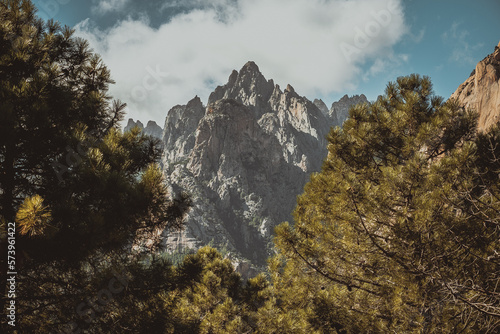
(247, 154)
(481, 91)
(179, 131)
(244, 158)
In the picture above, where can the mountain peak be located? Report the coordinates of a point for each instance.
(321, 106)
(132, 124)
(247, 156)
(151, 123)
(248, 71)
(248, 86)
(232, 78)
(195, 101)
(250, 66)
(151, 129)
(340, 109)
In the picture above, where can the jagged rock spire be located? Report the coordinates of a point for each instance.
(248, 86)
(246, 157)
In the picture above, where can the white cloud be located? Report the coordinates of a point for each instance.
(419, 37)
(101, 7)
(318, 46)
(387, 64)
(198, 3)
(462, 52)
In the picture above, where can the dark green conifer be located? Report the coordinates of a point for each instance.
(79, 190)
(399, 231)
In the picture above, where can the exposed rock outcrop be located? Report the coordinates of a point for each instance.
(151, 129)
(321, 106)
(481, 91)
(132, 124)
(340, 110)
(179, 131)
(244, 158)
(248, 86)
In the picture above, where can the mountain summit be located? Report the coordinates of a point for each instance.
(151, 129)
(244, 158)
(248, 86)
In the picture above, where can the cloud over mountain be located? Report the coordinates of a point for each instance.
(101, 7)
(319, 46)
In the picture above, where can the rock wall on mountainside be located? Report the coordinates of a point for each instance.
(244, 158)
(481, 91)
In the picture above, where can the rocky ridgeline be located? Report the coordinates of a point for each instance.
(339, 111)
(481, 91)
(247, 155)
(244, 158)
(151, 128)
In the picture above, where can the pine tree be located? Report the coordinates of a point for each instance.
(80, 192)
(399, 231)
(203, 294)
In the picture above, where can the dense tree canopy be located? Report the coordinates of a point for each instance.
(399, 232)
(79, 191)
(202, 294)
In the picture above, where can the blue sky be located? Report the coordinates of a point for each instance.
(164, 52)
(456, 36)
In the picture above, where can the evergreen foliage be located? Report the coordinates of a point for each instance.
(202, 294)
(79, 190)
(399, 231)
